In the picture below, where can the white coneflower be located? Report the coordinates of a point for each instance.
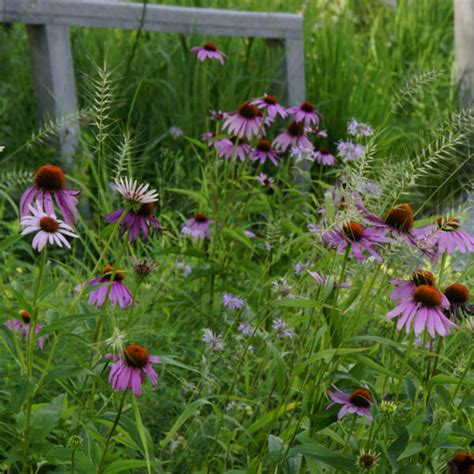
(135, 194)
(49, 229)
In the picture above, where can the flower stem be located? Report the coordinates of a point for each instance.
(100, 469)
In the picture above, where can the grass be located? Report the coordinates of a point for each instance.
(254, 402)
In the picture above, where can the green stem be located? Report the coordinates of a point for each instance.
(111, 433)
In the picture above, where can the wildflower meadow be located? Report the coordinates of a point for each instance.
(238, 284)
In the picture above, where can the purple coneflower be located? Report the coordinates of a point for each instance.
(139, 207)
(232, 302)
(217, 115)
(263, 151)
(446, 236)
(49, 184)
(425, 308)
(294, 136)
(129, 369)
(24, 326)
(405, 288)
(116, 290)
(213, 340)
(350, 151)
(323, 280)
(232, 148)
(458, 297)
(324, 157)
(359, 402)
(271, 105)
(282, 329)
(197, 227)
(208, 51)
(49, 228)
(246, 122)
(318, 132)
(358, 238)
(462, 463)
(305, 113)
(359, 129)
(265, 180)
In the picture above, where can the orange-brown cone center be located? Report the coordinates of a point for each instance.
(295, 129)
(146, 209)
(428, 296)
(307, 107)
(248, 110)
(136, 356)
(361, 398)
(422, 277)
(210, 46)
(48, 224)
(270, 100)
(25, 315)
(200, 217)
(400, 217)
(109, 270)
(263, 145)
(50, 178)
(457, 293)
(353, 231)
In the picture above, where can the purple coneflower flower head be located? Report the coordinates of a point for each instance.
(324, 157)
(404, 288)
(271, 105)
(175, 132)
(282, 329)
(208, 51)
(245, 122)
(359, 129)
(232, 302)
(425, 308)
(49, 187)
(359, 402)
(458, 297)
(48, 228)
(213, 340)
(323, 280)
(143, 267)
(139, 207)
(358, 238)
(129, 369)
(350, 151)
(263, 152)
(232, 148)
(110, 284)
(24, 326)
(447, 236)
(246, 328)
(183, 267)
(305, 113)
(197, 227)
(265, 180)
(282, 288)
(294, 135)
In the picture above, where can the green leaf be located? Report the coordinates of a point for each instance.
(369, 362)
(299, 303)
(448, 379)
(5, 244)
(194, 195)
(126, 465)
(231, 233)
(326, 456)
(189, 411)
(142, 432)
(410, 389)
(330, 354)
(397, 447)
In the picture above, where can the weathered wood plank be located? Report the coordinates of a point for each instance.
(54, 83)
(464, 48)
(159, 18)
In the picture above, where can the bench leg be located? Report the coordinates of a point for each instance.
(54, 84)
